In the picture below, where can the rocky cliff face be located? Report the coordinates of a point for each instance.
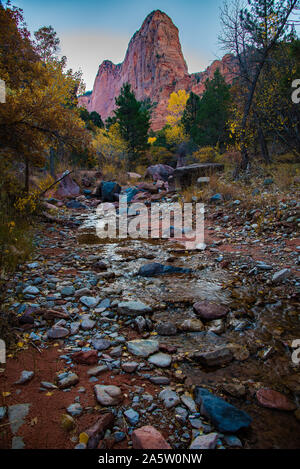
(154, 66)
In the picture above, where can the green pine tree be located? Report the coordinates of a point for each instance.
(134, 120)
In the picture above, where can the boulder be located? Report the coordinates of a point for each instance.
(159, 172)
(108, 191)
(67, 187)
(224, 416)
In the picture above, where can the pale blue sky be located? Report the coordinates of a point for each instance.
(95, 30)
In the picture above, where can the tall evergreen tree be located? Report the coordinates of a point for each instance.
(134, 121)
(205, 118)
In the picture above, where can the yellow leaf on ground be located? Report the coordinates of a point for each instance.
(83, 438)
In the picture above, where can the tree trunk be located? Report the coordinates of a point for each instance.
(26, 176)
(52, 163)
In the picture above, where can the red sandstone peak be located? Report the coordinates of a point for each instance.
(154, 66)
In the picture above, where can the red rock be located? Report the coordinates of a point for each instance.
(148, 438)
(274, 400)
(86, 358)
(155, 67)
(207, 310)
(67, 187)
(96, 432)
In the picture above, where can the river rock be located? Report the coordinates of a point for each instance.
(226, 417)
(89, 301)
(133, 308)
(274, 400)
(218, 357)
(57, 332)
(16, 415)
(166, 328)
(160, 359)
(208, 441)
(85, 358)
(70, 380)
(25, 377)
(132, 416)
(209, 311)
(142, 348)
(129, 367)
(148, 437)
(108, 395)
(189, 402)
(153, 269)
(75, 409)
(101, 344)
(170, 398)
(192, 325)
(281, 275)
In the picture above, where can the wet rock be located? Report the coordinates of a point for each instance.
(153, 269)
(148, 437)
(170, 398)
(281, 275)
(71, 379)
(132, 416)
(57, 332)
(89, 301)
(75, 410)
(160, 359)
(129, 367)
(234, 389)
(85, 358)
(141, 323)
(25, 377)
(101, 344)
(99, 266)
(226, 417)
(97, 370)
(133, 308)
(205, 441)
(16, 415)
(142, 348)
(217, 326)
(166, 328)
(108, 395)
(218, 357)
(274, 400)
(209, 311)
(192, 325)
